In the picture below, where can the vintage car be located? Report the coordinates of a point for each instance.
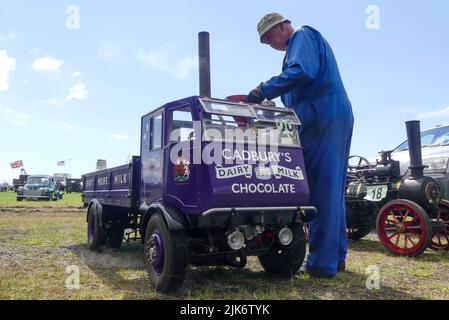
(39, 187)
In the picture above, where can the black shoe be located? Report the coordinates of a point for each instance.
(341, 266)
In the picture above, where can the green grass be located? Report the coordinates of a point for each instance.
(8, 199)
(38, 244)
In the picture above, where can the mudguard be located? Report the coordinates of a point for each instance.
(172, 218)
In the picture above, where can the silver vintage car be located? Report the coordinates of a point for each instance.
(39, 187)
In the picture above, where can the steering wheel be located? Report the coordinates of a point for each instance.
(353, 168)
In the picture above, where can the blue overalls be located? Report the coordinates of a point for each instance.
(310, 83)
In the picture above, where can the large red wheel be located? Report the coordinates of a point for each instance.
(440, 233)
(404, 228)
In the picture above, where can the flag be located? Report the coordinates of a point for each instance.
(61, 163)
(17, 164)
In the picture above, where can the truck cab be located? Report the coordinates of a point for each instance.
(216, 181)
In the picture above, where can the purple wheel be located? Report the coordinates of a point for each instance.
(404, 228)
(156, 254)
(95, 233)
(165, 255)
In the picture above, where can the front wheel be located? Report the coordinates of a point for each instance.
(286, 260)
(165, 255)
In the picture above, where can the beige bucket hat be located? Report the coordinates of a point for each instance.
(268, 21)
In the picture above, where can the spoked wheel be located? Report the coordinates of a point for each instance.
(404, 228)
(440, 232)
(357, 232)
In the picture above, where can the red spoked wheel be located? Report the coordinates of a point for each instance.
(404, 228)
(440, 232)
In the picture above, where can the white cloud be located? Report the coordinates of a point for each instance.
(53, 102)
(47, 64)
(14, 117)
(7, 64)
(77, 92)
(120, 136)
(76, 74)
(159, 60)
(434, 114)
(109, 52)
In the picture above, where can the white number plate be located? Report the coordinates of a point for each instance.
(376, 193)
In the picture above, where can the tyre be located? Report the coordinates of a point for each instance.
(115, 236)
(404, 228)
(357, 232)
(19, 199)
(440, 233)
(95, 233)
(165, 255)
(286, 260)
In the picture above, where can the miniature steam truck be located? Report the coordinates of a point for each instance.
(408, 211)
(193, 196)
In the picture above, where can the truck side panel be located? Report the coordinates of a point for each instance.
(117, 186)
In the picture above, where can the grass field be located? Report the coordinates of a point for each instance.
(8, 199)
(39, 240)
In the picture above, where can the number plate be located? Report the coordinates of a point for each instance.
(376, 193)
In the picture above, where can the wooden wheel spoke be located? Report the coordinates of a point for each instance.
(413, 243)
(393, 235)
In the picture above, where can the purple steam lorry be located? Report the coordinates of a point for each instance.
(216, 181)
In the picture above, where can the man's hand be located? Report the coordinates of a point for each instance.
(256, 96)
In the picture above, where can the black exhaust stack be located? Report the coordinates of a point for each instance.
(204, 63)
(414, 148)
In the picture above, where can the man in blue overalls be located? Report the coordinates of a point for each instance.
(310, 83)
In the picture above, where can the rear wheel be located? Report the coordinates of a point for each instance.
(404, 228)
(286, 260)
(165, 255)
(440, 234)
(95, 233)
(115, 236)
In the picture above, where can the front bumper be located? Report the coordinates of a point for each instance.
(223, 217)
(34, 196)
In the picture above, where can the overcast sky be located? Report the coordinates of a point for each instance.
(76, 76)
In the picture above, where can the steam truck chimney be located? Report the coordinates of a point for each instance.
(204, 63)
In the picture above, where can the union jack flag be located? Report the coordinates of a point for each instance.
(61, 163)
(17, 164)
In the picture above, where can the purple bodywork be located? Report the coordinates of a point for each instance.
(151, 177)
